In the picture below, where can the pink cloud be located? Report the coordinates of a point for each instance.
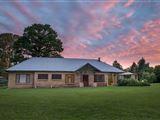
(109, 5)
(128, 48)
(129, 14)
(25, 11)
(129, 3)
(16, 22)
(97, 21)
(137, 44)
(92, 31)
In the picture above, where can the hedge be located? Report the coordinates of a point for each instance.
(133, 82)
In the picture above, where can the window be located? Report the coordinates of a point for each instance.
(23, 78)
(56, 76)
(98, 78)
(69, 79)
(42, 76)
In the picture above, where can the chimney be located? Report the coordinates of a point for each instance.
(99, 59)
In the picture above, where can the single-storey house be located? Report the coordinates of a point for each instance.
(61, 72)
(126, 75)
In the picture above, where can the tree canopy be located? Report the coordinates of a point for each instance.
(117, 65)
(6, 49)
(157, 73)
(133, 68)
(38, 40)
(142, 65)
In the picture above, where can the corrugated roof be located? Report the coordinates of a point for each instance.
(127, 73)
(60, 64)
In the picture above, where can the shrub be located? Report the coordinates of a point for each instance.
(144, 82)
(157, 73)
(133, 82)
(122, 82)
(150, 77)
(3, 81)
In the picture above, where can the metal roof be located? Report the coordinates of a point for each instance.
(61, 64)
(127, 73)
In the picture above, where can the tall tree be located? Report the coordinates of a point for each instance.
(157, 73)
(133, 68)
(6, 48)
(117, 65)
(38, 40)
(142, 67)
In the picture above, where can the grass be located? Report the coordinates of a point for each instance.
(102, 103)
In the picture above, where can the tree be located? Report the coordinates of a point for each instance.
(1, 70)
(6, 49)
(142, 67)
(149, 76)
(133, 68)
(157, 73)
(38, 40)
(117, 65)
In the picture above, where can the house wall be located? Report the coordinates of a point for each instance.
(105, 83)
(91, 78)
(35, 82)
(12, 80)
(54, 83)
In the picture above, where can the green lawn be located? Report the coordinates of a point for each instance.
(102, 103)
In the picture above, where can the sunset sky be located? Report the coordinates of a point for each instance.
(122, 30)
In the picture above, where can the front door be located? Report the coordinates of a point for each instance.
(85, 80)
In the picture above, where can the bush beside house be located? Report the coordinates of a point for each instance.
(149, 76)
(133, 82)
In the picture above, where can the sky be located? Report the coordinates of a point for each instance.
(122, 30)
